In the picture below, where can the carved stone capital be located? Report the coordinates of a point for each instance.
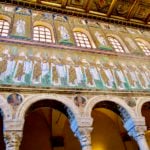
(16, 125)
(12, 139)
(81, 122)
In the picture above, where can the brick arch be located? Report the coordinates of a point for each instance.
(28, 101)
(97, 99)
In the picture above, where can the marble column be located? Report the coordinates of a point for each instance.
(82, 128)
(12, 139)
(84, 136)
(138, 133)
(136, 128)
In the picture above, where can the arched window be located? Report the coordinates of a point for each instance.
(4, 27)
(42, 34)
(115, 44)
(82, 40)
(145, 49)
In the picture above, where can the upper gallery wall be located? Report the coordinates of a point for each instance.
(135, 12)
(53, 50)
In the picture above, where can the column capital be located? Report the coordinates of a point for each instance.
(81, 122)
(12, 139)
(81, 127)
(14, 125)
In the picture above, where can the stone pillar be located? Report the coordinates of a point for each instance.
(136, 128)
(84, 136)
(12, 139)
(138, 133)
(82, 130)
(13, 134)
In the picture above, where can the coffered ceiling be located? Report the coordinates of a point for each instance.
(129, 11)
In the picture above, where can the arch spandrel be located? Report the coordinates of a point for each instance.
(97, 99)
(28, 101)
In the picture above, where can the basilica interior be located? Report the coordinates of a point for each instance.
(74, 75)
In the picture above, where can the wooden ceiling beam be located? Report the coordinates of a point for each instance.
(64, 3)
(87, 5)
(147, 18)
(132, 9)
(113, 4)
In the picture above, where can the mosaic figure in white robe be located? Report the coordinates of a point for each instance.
(79, 73)
(110, 77)
(100, 39)
(19, 71)
(106, 73)
(27, 68)
(120, 77)
(3, 66)
(142, 76)
(20, 27)
(62, 73)
(132, 76)
(94, 73)
(96, 77)
(45, 68)
(64, 33)
(11, 64)
(37, 72)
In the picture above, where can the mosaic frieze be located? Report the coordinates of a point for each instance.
(29, 66)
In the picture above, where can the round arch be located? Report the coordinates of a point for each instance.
(4, 17)
(140, 103)
(28, 101)
(146, 43)
(143, 41)
(87, 34)
(97, 99)
(45, 24)
(120, 40)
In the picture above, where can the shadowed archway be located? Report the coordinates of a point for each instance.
(108, 130)
(47, 127)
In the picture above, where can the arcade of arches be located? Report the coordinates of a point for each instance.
(53, 122)
(73, 83)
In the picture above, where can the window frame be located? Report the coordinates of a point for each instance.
(42, 34)
(82, 40)
(143, 47)
(4, 32)
(115, 43)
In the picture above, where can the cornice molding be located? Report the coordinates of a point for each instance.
(37, 90)
(74, 48)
